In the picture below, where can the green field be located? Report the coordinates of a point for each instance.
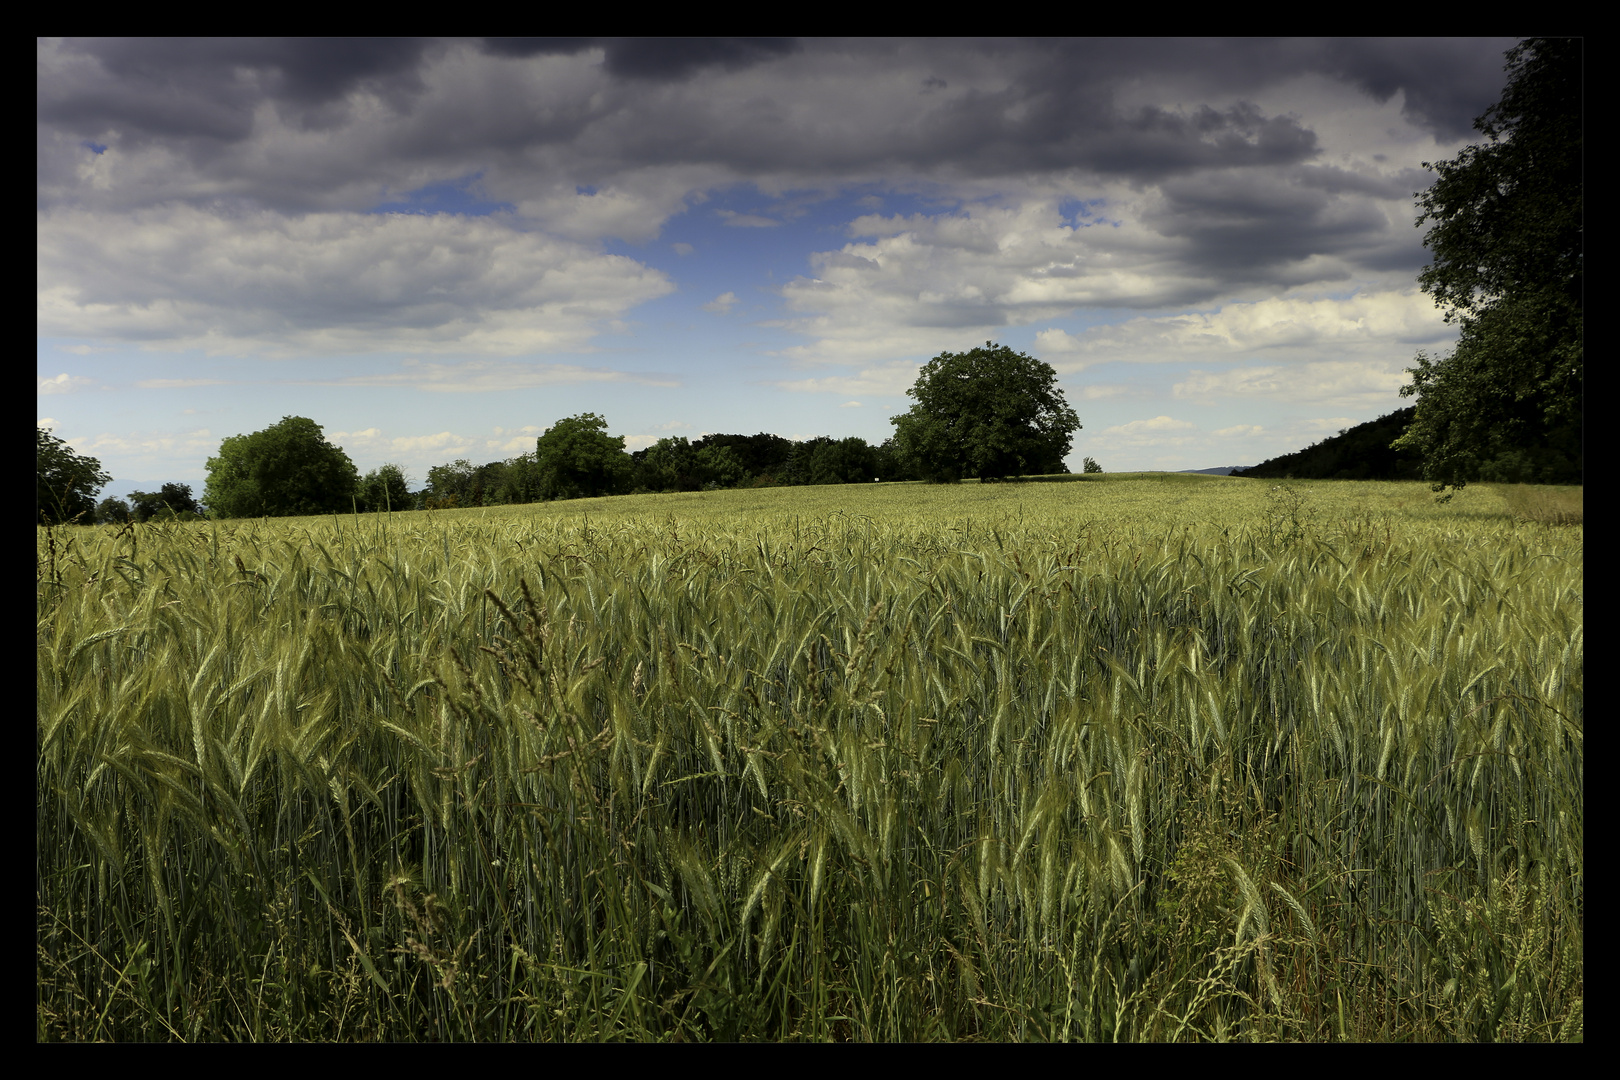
(1153, 757)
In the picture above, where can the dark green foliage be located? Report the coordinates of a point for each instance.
(759, 455)
(1507, 265)
(285, 470)
(170, 502)
(720, 467)
(1469, 427)
(891, 466)
(1359, 453)
(385, 489)
(675, 464)
(516, 480)
(67, 482)
(669, 464)
(112, 512)
(723, 461)
(487, 481)
(843, 461)
(990, 413)
(495, 483)
(577, 458)
(1091, 466)
(799, 467)
(454, 480)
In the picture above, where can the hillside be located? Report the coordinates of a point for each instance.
(1359, 453)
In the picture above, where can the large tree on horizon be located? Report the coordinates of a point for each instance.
(577, 458)
(67, 482)
(989, 412)
(285, 470)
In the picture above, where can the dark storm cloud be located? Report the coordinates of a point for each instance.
(1242, 230)
(1048, 107)
(657, 59)
(209, 87)
(1219, 148)
(1448, 81)
(977, 108)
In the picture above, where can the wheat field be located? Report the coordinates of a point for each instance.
(1157, 758)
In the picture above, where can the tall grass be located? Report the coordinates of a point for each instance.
(1096, 761)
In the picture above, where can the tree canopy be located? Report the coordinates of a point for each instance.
(990, 413)
(577, 458)
(68, 482)
(1506, 246)
(285, 470)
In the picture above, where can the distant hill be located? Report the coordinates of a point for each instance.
(1358, 453)
(1224, 470)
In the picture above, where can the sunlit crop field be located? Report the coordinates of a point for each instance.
(1148, 758)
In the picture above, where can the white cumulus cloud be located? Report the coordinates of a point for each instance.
(484, 376)
(64, 383)
(1280, 330)
(1364, 383)
(1156, 425)
(180, 277)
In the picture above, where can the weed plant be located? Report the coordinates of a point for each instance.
(1121, 759)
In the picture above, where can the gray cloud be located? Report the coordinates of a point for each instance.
(528, 111)
(210, 88)
(1447, 82)
(214, 190)
(675, 58)
(654, 59)
(183, 277)
(474, 376)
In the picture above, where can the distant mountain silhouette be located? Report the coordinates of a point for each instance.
(1358, 453)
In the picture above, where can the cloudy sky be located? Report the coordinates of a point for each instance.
(437, 248)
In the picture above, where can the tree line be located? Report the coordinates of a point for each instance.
(577, 458)
(586, 465)
(990, 413)
(1363, 452)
